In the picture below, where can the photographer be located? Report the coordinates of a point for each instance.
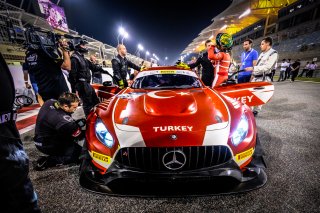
(17, 194)
(47, 70)
(56, 133)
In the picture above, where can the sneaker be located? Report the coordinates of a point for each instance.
(255, 113)
(41, 164)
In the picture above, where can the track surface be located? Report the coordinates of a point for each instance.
(289, 129)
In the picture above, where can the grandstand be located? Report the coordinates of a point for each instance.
(14, 52)
(294, 26)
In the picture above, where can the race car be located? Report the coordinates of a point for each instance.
(169, 127)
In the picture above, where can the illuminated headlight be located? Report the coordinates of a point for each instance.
(103, 134)
(241, 132)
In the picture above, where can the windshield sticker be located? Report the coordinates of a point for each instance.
(167, 72)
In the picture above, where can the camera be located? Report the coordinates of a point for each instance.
(36, 39)
(49, 42)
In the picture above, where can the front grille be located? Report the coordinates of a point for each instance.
(151, 159)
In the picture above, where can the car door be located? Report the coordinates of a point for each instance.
(251, 94)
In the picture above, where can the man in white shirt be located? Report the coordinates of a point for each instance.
(266, 61)
(283, 67)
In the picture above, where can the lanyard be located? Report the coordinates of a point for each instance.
(247, 55)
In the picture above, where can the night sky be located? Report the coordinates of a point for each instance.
(162, 29)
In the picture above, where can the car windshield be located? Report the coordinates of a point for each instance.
(166, 81)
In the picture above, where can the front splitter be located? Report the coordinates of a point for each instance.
(143, 185)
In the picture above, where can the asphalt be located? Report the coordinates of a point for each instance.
(289, 130)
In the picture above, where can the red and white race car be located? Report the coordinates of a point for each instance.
(169, 126)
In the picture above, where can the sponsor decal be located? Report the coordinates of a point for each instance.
(68, 118)
(7, 117)
(101, 157)
(76, 133)
(168, 71)
(244, 99)
(157, 72)
(172, 128)
(244, 155)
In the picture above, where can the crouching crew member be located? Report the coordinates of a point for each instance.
(220, 57)
(266, 61)
(120, 66)
(57, 133)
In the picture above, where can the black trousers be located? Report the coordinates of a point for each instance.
(207, 79)
(294, 74)
(54, 93)
(87, 95)
(60, 150)
(16, 190)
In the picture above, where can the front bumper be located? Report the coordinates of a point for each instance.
(224, 179)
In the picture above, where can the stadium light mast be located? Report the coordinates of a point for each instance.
(245, 13)
(122, 32)
(146, 55)
(223, 27)
(125, 35)
(139, 47)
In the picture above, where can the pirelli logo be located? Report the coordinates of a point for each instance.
(100, 157)
(168, 72)
(243, 155)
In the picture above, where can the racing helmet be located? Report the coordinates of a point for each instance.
(224, 40)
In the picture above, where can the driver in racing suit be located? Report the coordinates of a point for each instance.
(266, 61)
(220, 57)
(56, 133)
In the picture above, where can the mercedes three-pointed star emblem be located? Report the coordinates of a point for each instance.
(174, 159)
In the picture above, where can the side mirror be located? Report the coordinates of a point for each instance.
(107, 83)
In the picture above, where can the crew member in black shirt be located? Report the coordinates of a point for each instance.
(96, 73)
(120, 65)
(295, 70)
(207, 67)
(47, 71)
(16, 190)
(56, 132)
(80, 77)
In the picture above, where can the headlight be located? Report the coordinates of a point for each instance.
(241, 131)
(103, 134)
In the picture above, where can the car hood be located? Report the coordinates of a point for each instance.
(162, 116)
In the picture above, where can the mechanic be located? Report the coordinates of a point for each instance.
(248, 59)
(219, 55)
(80, 76)
(120, 66)
(207, 67)
(16, 194)
(57, 134)
(266, 61)
(47, 71)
